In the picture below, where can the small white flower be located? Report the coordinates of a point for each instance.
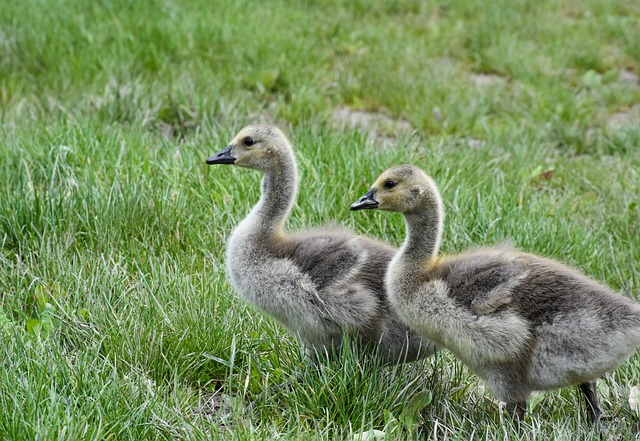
(371, 435)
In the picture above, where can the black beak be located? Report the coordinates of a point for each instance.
(222, 157)
(366, 202)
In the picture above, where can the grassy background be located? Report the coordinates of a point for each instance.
(116, 318)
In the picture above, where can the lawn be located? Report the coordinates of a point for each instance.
(117, 320)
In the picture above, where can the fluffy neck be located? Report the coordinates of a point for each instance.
(279, 186)
(424, 232)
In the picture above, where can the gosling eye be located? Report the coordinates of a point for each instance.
(248, 141)
(389, 184)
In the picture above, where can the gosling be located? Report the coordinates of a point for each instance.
(320, 284)
(518, 321)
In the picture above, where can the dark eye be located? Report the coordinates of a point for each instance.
(389, 184)
(248, 141)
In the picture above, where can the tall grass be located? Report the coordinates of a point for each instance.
(116, 317)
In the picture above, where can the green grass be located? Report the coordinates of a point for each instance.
(116, 317)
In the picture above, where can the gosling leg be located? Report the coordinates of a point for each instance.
(593, 408)
(517, 409)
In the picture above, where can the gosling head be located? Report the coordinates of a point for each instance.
(403, 189)
(256, 147)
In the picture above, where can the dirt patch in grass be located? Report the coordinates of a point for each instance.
(624, 119)
(483, 80)
(631, 78)
(380, 128)
(265, 115)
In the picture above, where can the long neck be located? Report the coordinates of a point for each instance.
(424, 232)
(279, 187)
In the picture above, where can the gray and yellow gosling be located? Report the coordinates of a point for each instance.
(520, 322)
(320, 283)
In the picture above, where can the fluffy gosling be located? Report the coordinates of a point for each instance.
(320, 283)
(519, 321)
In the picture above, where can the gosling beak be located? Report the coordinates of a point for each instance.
(365, 202)
(222, 157)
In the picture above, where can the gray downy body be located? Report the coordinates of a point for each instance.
(520, 322)
(319, 283)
